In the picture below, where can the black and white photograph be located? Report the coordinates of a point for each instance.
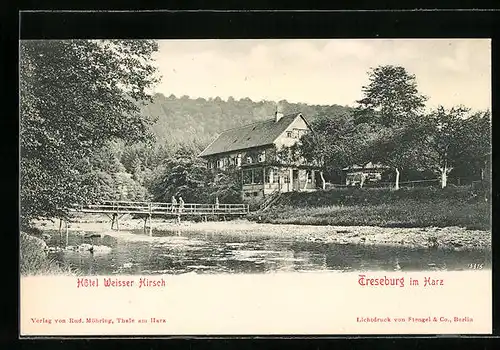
(255, 186)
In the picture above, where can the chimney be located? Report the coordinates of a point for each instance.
(279, 112)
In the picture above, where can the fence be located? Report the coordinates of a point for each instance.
(414, 183)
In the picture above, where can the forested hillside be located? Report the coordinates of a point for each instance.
(185, 120)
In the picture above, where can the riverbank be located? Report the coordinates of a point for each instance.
(411, 208)
(457, 238)
(33, 259)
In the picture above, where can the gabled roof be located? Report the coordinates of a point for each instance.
(368, 166)
(249, 136)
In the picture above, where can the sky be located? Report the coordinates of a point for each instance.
(449, 72)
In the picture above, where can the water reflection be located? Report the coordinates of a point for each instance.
(175, 252)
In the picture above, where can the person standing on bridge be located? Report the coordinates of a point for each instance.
(174, 203)
(181, 204)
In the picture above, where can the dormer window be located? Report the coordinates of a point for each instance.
(262, 156)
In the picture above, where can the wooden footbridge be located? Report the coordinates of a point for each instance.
(117, 209)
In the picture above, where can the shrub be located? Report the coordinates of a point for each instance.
(33, 258)
(362, 196)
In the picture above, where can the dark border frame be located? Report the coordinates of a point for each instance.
(266, 24)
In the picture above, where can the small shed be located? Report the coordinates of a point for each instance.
(357, 174)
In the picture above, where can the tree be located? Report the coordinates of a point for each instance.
(455, 137)
(398, 147)
(476, 141)
(391, 98)
(336, 142)
(75, 95)
(226, 185)
(183, 175)
(392, 102)
(106, 159)
(137, 170)
(442, 142)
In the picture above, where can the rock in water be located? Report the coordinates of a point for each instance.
(84, 247)
(101, 249)
(92, 235)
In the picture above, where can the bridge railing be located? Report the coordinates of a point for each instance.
(163, 208)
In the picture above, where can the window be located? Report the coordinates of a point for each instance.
(247, 177)
(257, 176)
(255, 194)
(272, 175)
(249, 160)
(269, 175)
(247, 194)
(288, 134)
(238, 160)
(276, 177)
(286, 179)
(309, 176)
(262, 156)
(210, 164)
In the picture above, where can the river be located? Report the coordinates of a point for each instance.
(170, 252)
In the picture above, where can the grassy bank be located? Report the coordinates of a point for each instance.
(418, 207)
(33, 258)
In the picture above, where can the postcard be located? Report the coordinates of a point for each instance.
(255, 187)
